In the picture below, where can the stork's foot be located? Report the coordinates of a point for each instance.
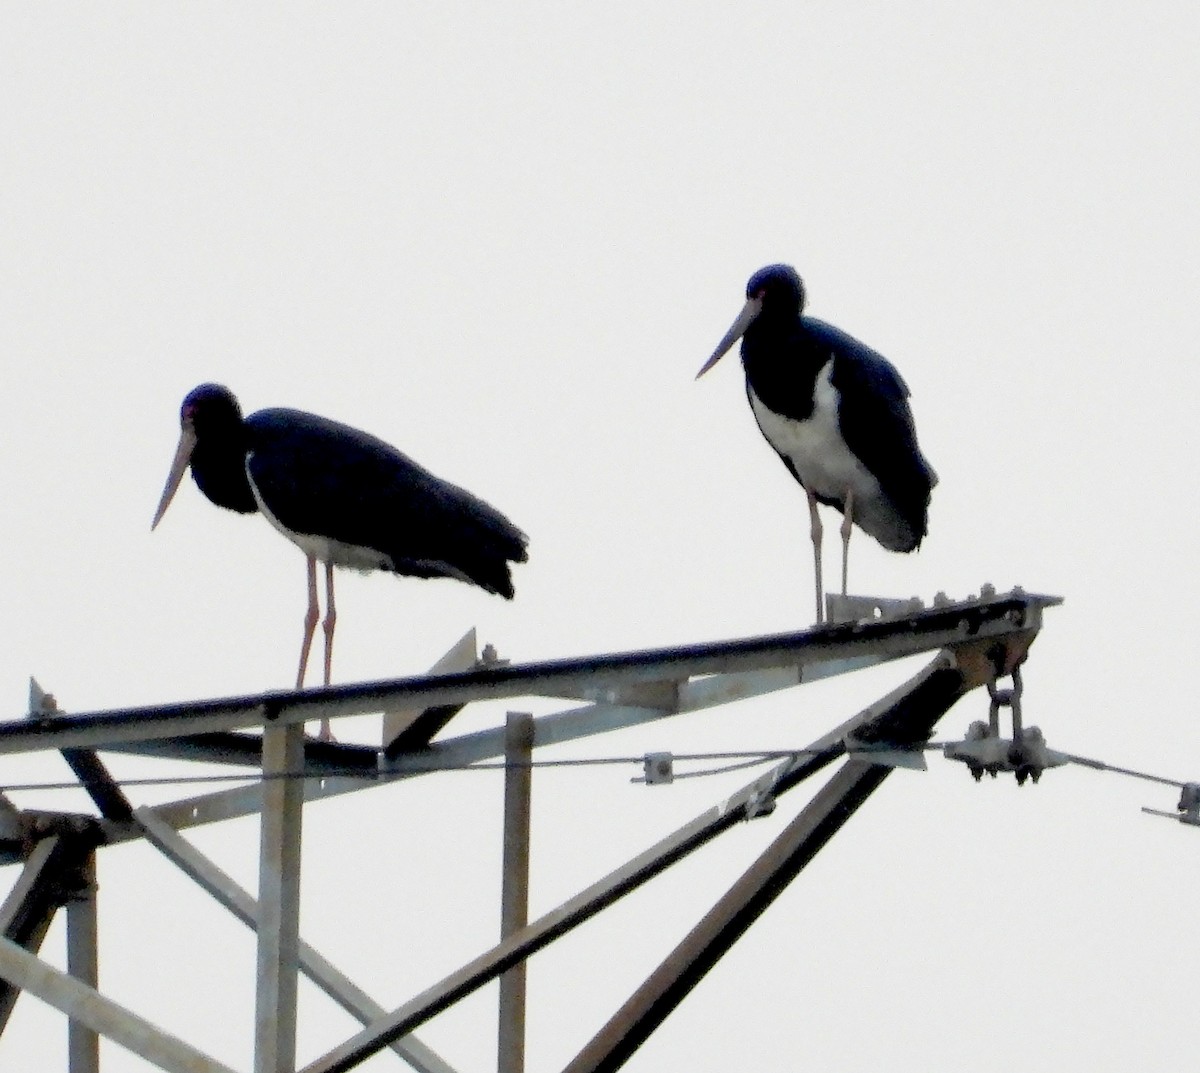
(326, 733)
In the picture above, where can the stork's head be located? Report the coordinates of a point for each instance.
(207, 408)
(774, 291)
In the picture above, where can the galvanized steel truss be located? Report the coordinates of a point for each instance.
(975, 642)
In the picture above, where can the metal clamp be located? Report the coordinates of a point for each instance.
(1025, 754)
(658, 768)
(1189, 804)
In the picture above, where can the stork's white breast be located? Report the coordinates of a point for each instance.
(814, 446)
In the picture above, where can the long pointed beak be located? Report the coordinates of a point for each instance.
(183, 455)
(737, 329)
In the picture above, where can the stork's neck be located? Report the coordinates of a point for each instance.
(780, 368)
(219, 469)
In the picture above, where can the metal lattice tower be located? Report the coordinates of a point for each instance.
(974, 643)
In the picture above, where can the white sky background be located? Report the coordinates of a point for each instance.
(505, 243)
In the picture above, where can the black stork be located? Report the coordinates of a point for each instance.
(342, 497)
(837, 414)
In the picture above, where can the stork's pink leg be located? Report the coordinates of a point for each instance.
(310, 621)
(816, 541)
(326, 734)
(847, 522)
(330, 621)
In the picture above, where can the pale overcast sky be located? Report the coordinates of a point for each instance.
(504, 239)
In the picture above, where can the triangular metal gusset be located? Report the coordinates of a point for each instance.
(972, 643)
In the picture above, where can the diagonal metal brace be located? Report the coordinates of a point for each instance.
(56, 869)
(180, 852)
(909, 719)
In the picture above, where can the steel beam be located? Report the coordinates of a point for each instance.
(238, 749)
(14, 832)
(555, 728)
(576, 723)
(730, 917)
(514, 894)
(23, 912)
(26, 914)
(279, 900)
(81, 1003)
(83, 963)
(93, 776)
(101, 787)
(335, 759)
(888, 639)
(180, 852)
(459, 752)
(54, 871)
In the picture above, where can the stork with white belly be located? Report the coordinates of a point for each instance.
(836, 413)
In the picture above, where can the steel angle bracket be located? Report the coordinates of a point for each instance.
(413, 728)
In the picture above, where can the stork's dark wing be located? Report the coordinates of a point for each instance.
(877, 423)
(327, 479)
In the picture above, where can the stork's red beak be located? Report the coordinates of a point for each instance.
(183, 455)
(737, 329)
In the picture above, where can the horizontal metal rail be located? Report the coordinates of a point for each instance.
(590, 676)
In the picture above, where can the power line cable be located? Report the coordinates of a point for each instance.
(736, 761)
